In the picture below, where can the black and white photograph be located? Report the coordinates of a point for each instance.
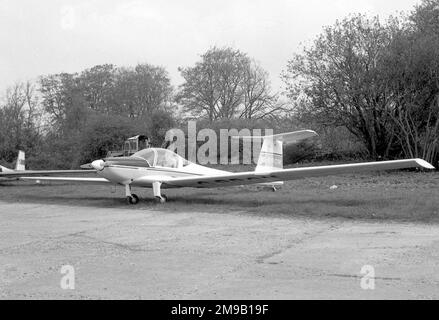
(219, 155)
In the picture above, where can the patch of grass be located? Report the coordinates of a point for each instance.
(399, 196)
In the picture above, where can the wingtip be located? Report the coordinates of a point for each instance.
(313, 132)
(424, 164)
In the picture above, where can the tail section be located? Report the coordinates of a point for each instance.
(20, 165)
(271, 156)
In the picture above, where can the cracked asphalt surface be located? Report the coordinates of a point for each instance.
(155, 254)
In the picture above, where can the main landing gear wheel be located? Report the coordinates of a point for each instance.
(158, 197)
(161, 199)
(133, 199)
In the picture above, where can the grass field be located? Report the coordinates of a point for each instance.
(398, 196)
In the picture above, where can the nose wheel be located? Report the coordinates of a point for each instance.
(133, 199)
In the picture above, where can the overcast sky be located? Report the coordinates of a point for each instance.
(52, 36)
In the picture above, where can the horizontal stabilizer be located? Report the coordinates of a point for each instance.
(288, 137)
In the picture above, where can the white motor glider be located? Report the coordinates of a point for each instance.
(158, 168)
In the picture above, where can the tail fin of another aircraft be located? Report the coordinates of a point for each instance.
(4, 169)
(20, 165)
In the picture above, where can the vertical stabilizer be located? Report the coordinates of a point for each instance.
(20, 165)
(271, 156)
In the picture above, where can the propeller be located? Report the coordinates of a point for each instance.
(98, 165)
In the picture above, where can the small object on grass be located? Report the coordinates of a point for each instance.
(333, 187)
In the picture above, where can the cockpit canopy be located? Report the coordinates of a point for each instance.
(161, 158)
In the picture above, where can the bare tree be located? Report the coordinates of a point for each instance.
(142, 90)
(258, 102)
(56, 95)
(96, 86)
(337, 81)
(412, 74)
(19, 120)
(213, 85)
(226, 83)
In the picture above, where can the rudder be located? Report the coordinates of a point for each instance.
(21, 161)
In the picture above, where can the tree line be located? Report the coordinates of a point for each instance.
(369, 87)
(66, 119)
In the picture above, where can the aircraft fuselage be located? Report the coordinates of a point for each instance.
(130, 175)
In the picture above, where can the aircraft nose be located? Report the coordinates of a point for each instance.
(98, 165)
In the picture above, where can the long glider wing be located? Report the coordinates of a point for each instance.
(73, 180)
(31, 173)
(291, 174)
